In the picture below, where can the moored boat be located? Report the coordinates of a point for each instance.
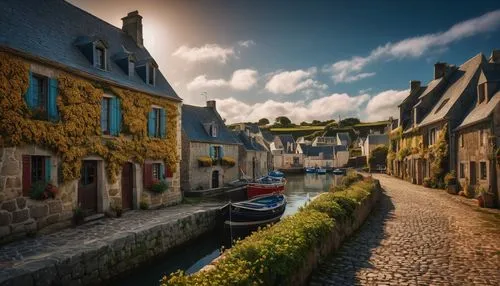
(277, 174)
(258, 211)
(321, 171)
(339, 172)
(310, 170)
(265, 186)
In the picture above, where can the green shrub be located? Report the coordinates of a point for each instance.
(273, 254)
(427, 182)
(144, 205)
(159, 186)
(450, 179)
(350, 178)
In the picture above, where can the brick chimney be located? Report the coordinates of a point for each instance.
(132, 26)
(211, 104)
(440, 70)
(495, 56)
(414, 85)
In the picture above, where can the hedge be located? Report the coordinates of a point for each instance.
(273, 254)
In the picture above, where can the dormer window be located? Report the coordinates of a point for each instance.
(131, 68)
(100, 57)
(481, 92)
(213, 130)
(151, 74)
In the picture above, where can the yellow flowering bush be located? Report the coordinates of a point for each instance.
(273, 254)
(78, 133)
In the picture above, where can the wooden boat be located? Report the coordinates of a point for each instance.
(339, 172)
(276, 174)
(321, 171)
(265, 186)
(258, 211)
(310, 170)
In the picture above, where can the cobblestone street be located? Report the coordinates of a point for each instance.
(418, 236)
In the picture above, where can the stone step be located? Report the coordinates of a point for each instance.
(93, 217)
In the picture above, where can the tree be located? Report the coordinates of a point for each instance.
(303, 123)
(349, 122)
(263, 121)
(283, 121)
(316, 123)
(378, 156)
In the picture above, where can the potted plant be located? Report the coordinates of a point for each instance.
(228, 161)
(78, 216)
(117, 209)
(205, 161)
(484, 197)
(159, 186)
(450, 181)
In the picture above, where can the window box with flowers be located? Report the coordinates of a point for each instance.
(42, 190)
(228, 161)
(159, 186)
(205, 161)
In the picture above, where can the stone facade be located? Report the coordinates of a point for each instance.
(247, 159)
(196, 177)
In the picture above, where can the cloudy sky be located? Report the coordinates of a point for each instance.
(305, 59)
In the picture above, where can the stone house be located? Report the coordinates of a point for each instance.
(344, 139)
(341, 156)
(253, 156)
(285, 157)
(371, 142)
(88, 120)
(325, 141)
(210, 155)
(262, 137)
(317, 156)
(478, 135)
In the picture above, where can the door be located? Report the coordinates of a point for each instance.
(472, 173)
(87, 187)
(215, 179)
(127, 186)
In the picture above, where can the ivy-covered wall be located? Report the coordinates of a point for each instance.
(77, 134)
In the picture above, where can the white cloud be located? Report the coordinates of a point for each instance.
(384, 104)
(208, 52)
(242, 79)
(323, 108)
(348, 70)
(288, 82)
(246, 43)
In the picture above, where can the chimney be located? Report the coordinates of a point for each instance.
(414, 85)
(132, 26)
(440, 70)
(211, 104)
(495, 57)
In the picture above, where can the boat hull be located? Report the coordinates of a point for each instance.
(244, 215)
(254, 190)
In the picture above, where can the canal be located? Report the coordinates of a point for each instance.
(192, 257)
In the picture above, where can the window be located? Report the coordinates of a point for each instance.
(105, 115)
(35, 168)
(217, 152)
(432, 136)
(481, 138)
(462, 170)
(157, 172)
(156, 123)
(482, 168)
(151, 72)
(131, 68)
(40, 96)
(461, 140)
(481, 91)
(100, 58)
(213, 130)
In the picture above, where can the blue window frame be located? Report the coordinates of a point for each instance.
(157, 123)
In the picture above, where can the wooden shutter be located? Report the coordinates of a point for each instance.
(48, 169)
(168, 172)
(212, 152)
(151, 124)
(221, 149)
(26, 175)
(52, 100)
(163, 120)
(148, 176)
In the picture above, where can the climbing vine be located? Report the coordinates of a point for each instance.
(438, 157)
(78, 133)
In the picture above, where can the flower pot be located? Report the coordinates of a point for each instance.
(480, 201)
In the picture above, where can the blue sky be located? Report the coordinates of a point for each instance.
(306, 59)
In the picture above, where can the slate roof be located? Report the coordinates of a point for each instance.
(339, 148)
(49, 30)
(430, 87)
(268, 136)
(378, 139)
(249, 143)
(344, 137)
(285, 139)
(309, 150)
(481, 111)
(253, 127)
(458, 82)
(193, 118)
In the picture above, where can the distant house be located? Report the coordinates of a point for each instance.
(341, 156)
(210, 152)
(372, 141)
(253, 156)
(317, 156)
(302, 140)
(283, 149)
(361, 145)
(344, 139)
(479, 133)
(324, 141)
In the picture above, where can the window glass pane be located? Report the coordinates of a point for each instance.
(37, 168)
(156, 171)
(105, 114)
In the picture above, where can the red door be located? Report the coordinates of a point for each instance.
(87, 187)
(127, 186)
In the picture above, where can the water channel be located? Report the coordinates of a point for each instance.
(200, 252)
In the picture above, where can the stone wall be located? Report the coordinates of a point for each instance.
(201, 177)
(97, 262)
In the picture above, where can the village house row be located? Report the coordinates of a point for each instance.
(452, 126)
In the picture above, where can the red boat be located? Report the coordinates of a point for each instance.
(266, 186)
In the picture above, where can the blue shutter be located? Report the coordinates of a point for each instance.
(118, 116)
(221, 151)
(52, 102)
(112, 117)
(212, 152)
(163, 120)
(30, 93)
(151, 124)
(162, 172)
(48, 167)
